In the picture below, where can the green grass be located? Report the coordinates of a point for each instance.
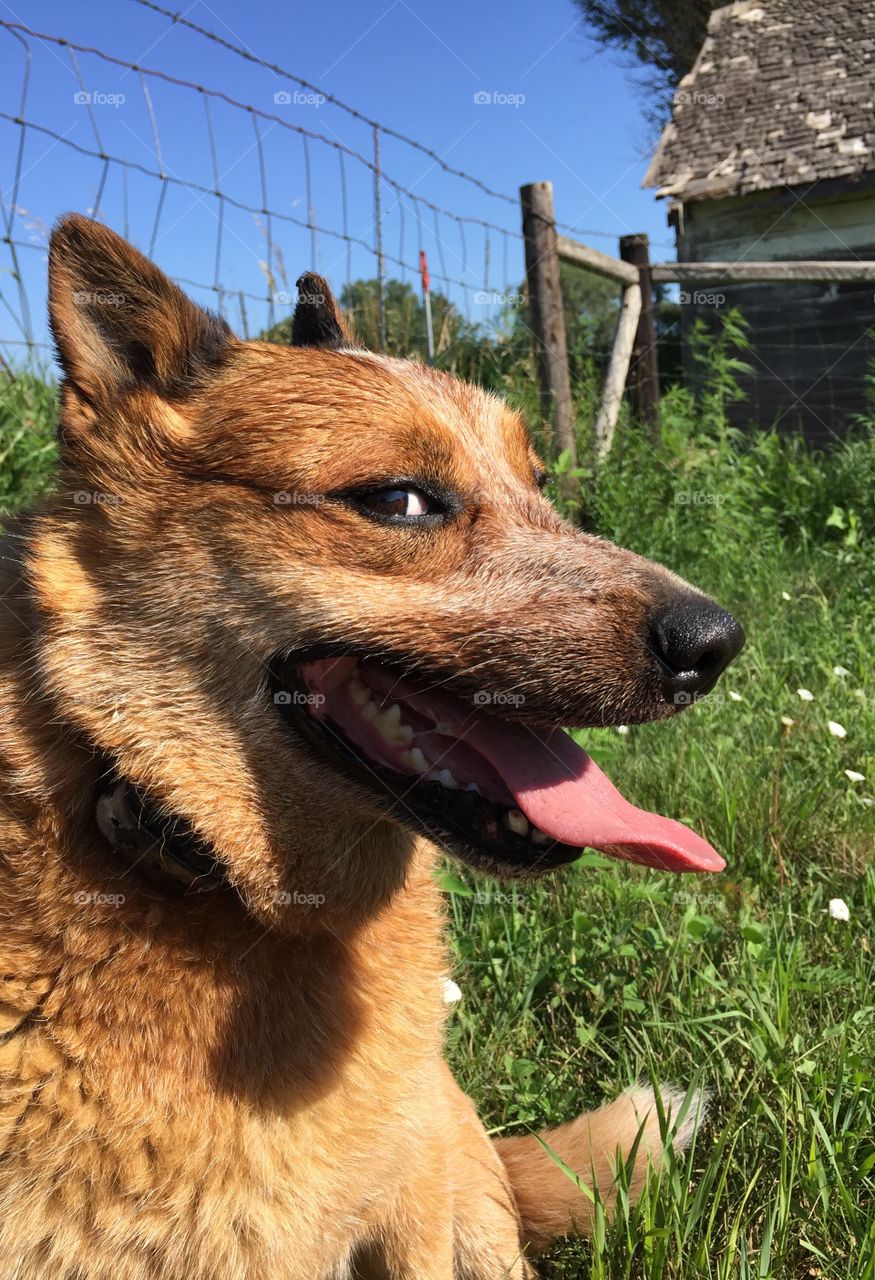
(576, 986)
(606, 973)
(28, 449)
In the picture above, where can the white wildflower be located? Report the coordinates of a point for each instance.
(785, 595)
(853, 776)
(452, 991)
(806, 695)
(788, 722)
(840, 671)
(735, 697)
(838, 909)
(622, 728)
(837, 730)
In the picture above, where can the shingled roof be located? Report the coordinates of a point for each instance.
(782, 93)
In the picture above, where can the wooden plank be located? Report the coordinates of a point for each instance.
(548, 318)
(785, 227)
(635, 249)
(618, 370)
(593, 260)
(810, 355)
(716, 273)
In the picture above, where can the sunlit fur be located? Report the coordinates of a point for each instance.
(229, 1085)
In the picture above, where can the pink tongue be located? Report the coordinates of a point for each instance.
(562, 791)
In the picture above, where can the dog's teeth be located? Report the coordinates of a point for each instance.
(538, 836)
(390, 726)
(415, 760)
(396, 733)
(358, 691)
(446, 779)
(370, 710)
(472, 786)
(517, 822)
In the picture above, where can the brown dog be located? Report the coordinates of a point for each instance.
(247, 649)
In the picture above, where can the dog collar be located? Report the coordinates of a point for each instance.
(163, 847)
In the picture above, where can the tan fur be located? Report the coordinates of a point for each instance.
(227, 1086)
(593, 1147)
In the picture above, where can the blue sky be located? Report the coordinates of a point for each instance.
(558, 109)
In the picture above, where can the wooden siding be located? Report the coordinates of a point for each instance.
(812, 349)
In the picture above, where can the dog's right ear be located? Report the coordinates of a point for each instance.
(119, 324)
(318, 320)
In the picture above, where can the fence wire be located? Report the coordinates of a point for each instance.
(338, 191)
(246, 54)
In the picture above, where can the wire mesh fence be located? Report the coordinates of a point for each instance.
(233, 196)
(235, 193)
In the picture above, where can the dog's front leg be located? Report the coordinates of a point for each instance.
(486, 1221)
(415, 1240)
(455, 1218)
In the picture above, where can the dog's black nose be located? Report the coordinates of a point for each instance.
(693, 640)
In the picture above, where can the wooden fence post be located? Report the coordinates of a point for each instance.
(618, 370)
(548, 318)
(635, 249)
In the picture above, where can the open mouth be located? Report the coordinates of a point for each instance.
(504, 795)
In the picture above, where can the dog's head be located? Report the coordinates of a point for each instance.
(313, 600)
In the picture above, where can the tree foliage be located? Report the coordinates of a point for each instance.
(496, 352)
(405, 319)
(662, 36)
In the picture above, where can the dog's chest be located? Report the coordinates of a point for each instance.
(134, 1151)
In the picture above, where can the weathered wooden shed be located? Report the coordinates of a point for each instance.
(770, 155)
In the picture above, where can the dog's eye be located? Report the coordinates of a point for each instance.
(402, 503)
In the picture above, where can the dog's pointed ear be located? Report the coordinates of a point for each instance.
(119, 324)
(318, 320)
